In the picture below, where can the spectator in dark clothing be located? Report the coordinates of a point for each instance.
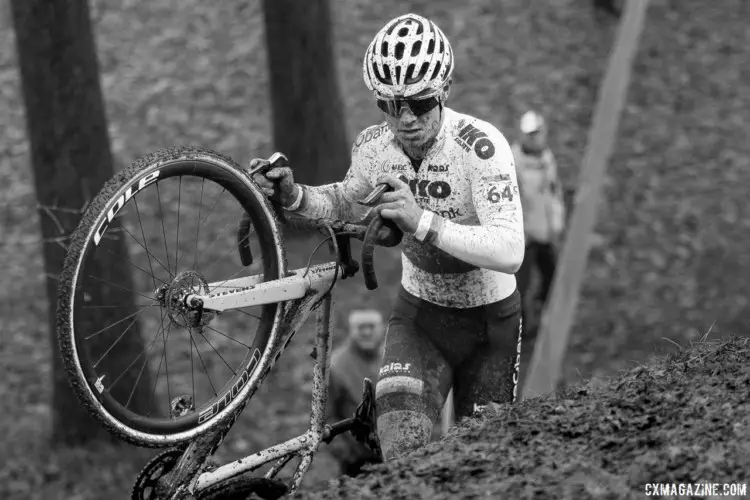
(543, 207)
(358, 358)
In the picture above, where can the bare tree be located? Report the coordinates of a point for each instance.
(308, 117)
(71, 159)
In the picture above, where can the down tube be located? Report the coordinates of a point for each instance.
(252, 462)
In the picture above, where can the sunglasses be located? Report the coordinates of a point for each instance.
(417, 106)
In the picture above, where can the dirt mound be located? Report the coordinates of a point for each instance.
(684, 419)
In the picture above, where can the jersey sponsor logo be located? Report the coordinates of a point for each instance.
(394, 167)
(423, 188)
(370, 134)
(470, 136)
(451, 213)
(391, 368)
(517, 364)
(437, 168)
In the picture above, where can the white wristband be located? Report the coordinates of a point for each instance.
(294, 206)
(424, 225)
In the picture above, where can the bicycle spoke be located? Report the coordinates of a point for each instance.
(138, 379)
(161, 360)
(166, 370)
(198, 230)
(205, 271)
(217, 352)
(242, 267)
(140, 311)
(140, 306)
(119, 338)
(221, 285)
(121, 287)
(200, 358)
(153, 278)
(248, 314)
(147, 252)
(163, 230)
(227, 336)
(192, 369)
(145, 242)
(210, 211)
(177, 233)
(145, 362)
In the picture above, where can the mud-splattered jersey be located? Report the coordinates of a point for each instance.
(468, 178)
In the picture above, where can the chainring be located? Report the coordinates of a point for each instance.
(162, 464)
(159, 466)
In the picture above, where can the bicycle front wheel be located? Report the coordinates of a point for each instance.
(154, 372)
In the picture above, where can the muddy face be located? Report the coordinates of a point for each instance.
(415, 132)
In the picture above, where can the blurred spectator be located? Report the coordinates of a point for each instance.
(357, 358)
(543, 206)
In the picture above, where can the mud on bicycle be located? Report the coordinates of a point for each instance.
(125, 295)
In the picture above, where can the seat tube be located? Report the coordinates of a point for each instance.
(322, 365)
(319, 389)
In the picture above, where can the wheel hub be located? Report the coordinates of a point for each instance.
(173, 297)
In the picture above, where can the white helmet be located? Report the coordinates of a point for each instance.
(409, 55)
(531, 121)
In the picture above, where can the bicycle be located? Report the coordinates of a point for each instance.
(186, 300)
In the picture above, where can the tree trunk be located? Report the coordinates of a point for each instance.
(71, 159)
(308, 117)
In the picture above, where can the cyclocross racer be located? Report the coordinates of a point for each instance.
(457, 318)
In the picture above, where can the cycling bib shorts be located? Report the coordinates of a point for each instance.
(429, 349)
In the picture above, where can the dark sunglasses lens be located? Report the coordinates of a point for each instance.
(421, 106)
(383, 106)
(417, 106)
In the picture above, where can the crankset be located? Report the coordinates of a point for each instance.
(145, 487)
(158, 467)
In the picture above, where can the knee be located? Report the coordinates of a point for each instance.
(405, 415)
(403, 431)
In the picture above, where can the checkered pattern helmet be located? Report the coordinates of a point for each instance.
(408, 56)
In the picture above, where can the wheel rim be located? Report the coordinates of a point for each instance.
(171, 275)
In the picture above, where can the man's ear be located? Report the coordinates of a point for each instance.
(446, 90)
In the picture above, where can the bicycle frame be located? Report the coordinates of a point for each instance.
(251, 291)
(301, 292)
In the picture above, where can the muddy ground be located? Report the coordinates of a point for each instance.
(685, 419)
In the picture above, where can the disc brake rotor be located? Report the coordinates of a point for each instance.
(172, 297)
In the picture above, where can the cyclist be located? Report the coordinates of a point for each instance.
(543, 208)
(457, 318)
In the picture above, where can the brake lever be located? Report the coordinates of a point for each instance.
(372, 199)
(275, 160)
